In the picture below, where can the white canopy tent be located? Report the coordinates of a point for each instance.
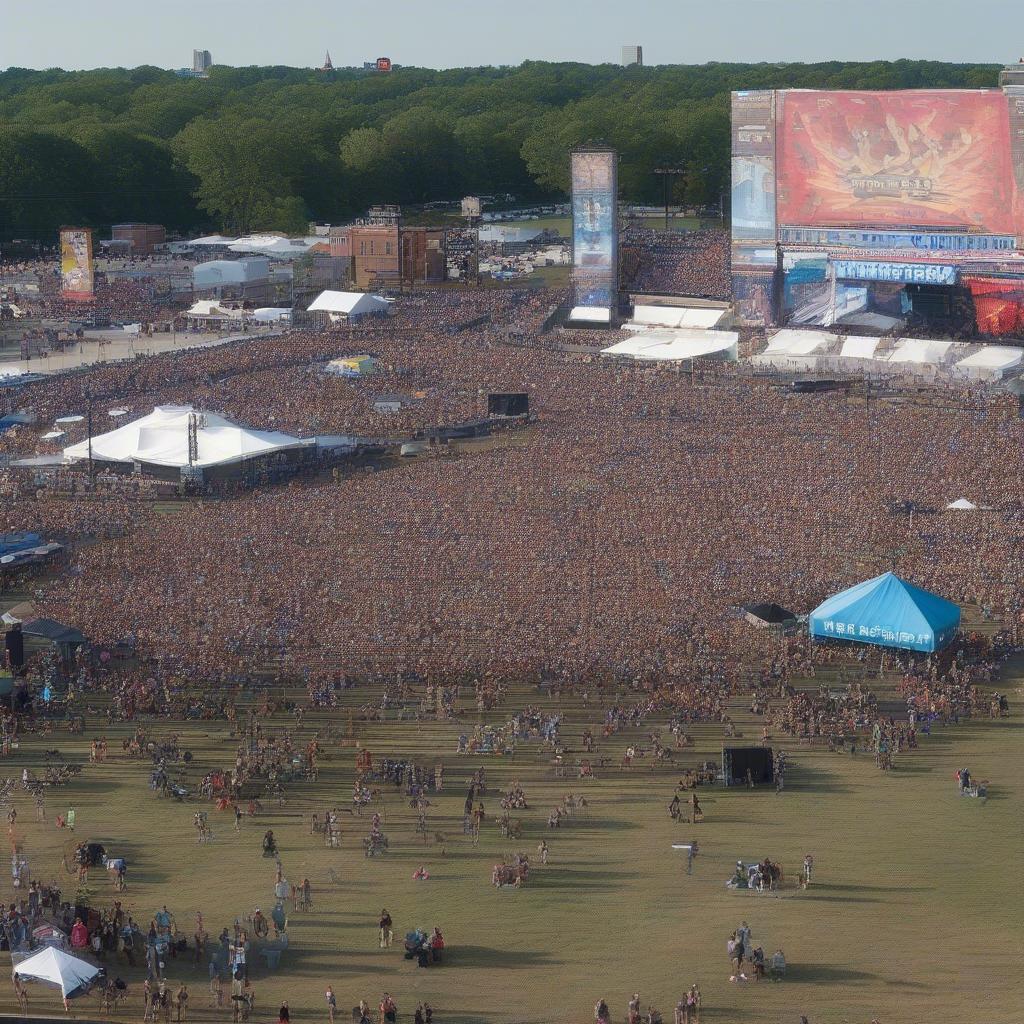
(211, 309)
(962, 505)
(921, 351)
(55, 967)
(991, 362)
(859, 348)
(703, 317)
(348, 304)
(271, 314)
(161, 439)
(591, 315)
(799, 343)
(674, 345)
(270, 245)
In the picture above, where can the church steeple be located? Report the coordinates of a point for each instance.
(328, 66)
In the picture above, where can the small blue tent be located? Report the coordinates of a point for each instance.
(888, 612)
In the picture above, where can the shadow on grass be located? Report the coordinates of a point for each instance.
(486, 956)
(825, 898)
(580, 879)
(838, 888)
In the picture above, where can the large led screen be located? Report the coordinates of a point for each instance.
(594, 241)
(928, 159)
(76, 270)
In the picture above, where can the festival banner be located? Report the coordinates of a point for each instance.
(76, 269)
(934, 160)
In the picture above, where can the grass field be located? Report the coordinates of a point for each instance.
(913, 915)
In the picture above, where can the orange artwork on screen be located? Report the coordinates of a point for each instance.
(928, 159)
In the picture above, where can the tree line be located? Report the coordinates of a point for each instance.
(273, 147)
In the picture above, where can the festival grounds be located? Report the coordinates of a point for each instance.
(912, 916)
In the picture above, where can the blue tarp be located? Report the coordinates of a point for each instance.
(13, 542)
(888, 612)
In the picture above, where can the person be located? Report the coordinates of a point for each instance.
(181, 1003)
(543, 851)
(420, 874)
(778, 963)
(216, 985)
(601, 1012)
(388, 1010)
(757, 961)
(808, 868)
(693, 1005)
(283, 1016)
(21, 993)
(386, 933)
(417, 1017)
(436, 945)
(633, 1010)
(696, 814)
(738, 951)
(332, 1004)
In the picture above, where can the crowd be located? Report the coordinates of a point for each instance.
(678, 262)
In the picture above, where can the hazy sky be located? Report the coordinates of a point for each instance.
(456, 33)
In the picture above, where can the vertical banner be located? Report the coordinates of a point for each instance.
(76, 274)
(753, 203)
(753, 166)
(595, 250)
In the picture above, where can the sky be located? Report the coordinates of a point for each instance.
(75, 34)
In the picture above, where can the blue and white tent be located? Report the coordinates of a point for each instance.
(888, 612)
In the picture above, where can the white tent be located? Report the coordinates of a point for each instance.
(991, 361)
(55, 967)
(859, 348)
(591, 314)
(704, 317)
(211, 308)
(674, 345)
(271, 314)
(348, 303)
(161, 439)
(963, 505)
(920, 350)
(799, 343)
(270, 245)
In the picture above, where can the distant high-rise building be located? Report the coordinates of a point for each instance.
(328, 66)
(632, 55)
(202, 61)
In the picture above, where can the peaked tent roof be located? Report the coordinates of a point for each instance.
(55, 967)
(55, 632)
(161, 439)
(888, 612)
(770, 612)
(348, 302)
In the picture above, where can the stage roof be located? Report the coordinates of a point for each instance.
(349, 303)
(161, 439)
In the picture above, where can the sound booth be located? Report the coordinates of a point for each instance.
(511, 404)
(737, 761)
